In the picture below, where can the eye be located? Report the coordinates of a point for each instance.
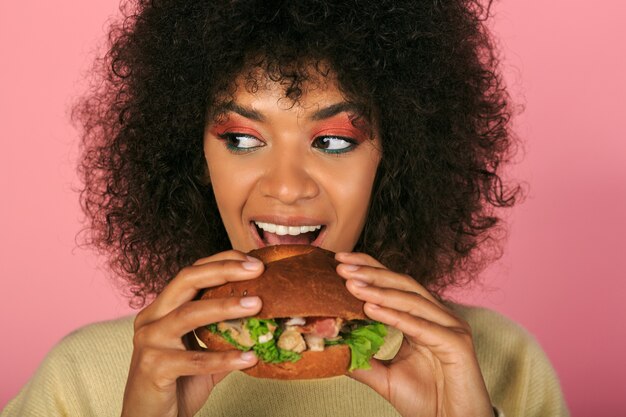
(240, 142)
(334, 144)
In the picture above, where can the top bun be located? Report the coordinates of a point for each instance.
(298, 281)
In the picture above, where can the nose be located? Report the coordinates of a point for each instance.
(288, 180)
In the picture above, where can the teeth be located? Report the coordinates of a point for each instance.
(282, 230)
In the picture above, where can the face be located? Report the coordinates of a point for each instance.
(291, 174)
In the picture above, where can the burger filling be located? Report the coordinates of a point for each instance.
(281, 340)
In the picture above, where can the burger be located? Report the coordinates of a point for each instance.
(310, 326)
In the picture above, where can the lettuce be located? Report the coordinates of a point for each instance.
(268, 351)
(226, 335)
(364, 342)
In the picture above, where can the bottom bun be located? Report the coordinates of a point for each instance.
(333, 361)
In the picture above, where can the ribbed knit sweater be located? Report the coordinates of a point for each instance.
(85, 375)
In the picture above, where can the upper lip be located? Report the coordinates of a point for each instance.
(288, 220)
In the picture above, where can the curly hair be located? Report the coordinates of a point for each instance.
(427, 70)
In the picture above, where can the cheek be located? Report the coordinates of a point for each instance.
(352, 192)
(226, 186)
(232, 178)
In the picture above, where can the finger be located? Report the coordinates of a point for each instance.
(452, 345)
(375, 377)
(185, 286)
(386, 279)
(164, 366)
(168, 331)
(233, 254)
(408, 302)
(192, 279)
(358, 258)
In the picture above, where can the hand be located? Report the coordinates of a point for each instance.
(436, 371)
(164, 378)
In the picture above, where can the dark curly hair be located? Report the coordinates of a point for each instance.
(427, 70)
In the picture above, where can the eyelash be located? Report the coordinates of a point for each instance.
(230, 137)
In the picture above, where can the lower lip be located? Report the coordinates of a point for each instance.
(260, 244)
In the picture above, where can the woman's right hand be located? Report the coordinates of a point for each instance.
(166, 379)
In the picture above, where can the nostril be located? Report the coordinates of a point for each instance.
(289, 185)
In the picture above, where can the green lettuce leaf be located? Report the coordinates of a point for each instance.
(268, 351)
(226, 335)
(364, 342)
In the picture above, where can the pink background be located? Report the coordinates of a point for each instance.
(564, 274)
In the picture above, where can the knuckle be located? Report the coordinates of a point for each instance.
(236, 254)
(464, 338)
(226, 304)
(229, 254)
(226, 264)
(149, 361)
(185, 272)
(199, 360)
(184, 311)
(202, 261)
(219, 265)
(466, 326)
(395, 321)
(410, 281)
(139, 320)
(231, 267)
(141, 336)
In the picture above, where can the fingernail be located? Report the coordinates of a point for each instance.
(248, 356)
(358, 283)
(350, 267)
(249, 302)
(251, 266)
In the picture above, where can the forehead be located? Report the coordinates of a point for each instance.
(311, 92)
(301, 89)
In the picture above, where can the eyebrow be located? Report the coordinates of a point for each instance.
(321, 114)
(334, 109)
(248, 113)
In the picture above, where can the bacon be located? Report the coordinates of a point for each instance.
(325, 327)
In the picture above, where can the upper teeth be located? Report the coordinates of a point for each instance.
(281, 230)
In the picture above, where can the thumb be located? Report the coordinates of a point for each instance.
(376, 378)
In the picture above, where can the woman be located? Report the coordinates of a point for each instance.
(383, 123)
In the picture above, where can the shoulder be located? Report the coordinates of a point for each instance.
(84, 374)
(102, 342)
(490, 326)
(112, 336)
(101, 348)
(502, 346)
(517, 372)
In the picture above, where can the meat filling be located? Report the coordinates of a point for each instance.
(296, 334)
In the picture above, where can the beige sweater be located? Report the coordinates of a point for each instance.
(85, 375)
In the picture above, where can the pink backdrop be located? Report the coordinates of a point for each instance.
(564, 274)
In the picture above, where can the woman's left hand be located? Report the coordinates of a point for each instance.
(436, 371)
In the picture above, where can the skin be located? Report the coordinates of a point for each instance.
(283, 174)
(286, 174)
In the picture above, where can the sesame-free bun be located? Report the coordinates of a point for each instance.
(298, 281)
